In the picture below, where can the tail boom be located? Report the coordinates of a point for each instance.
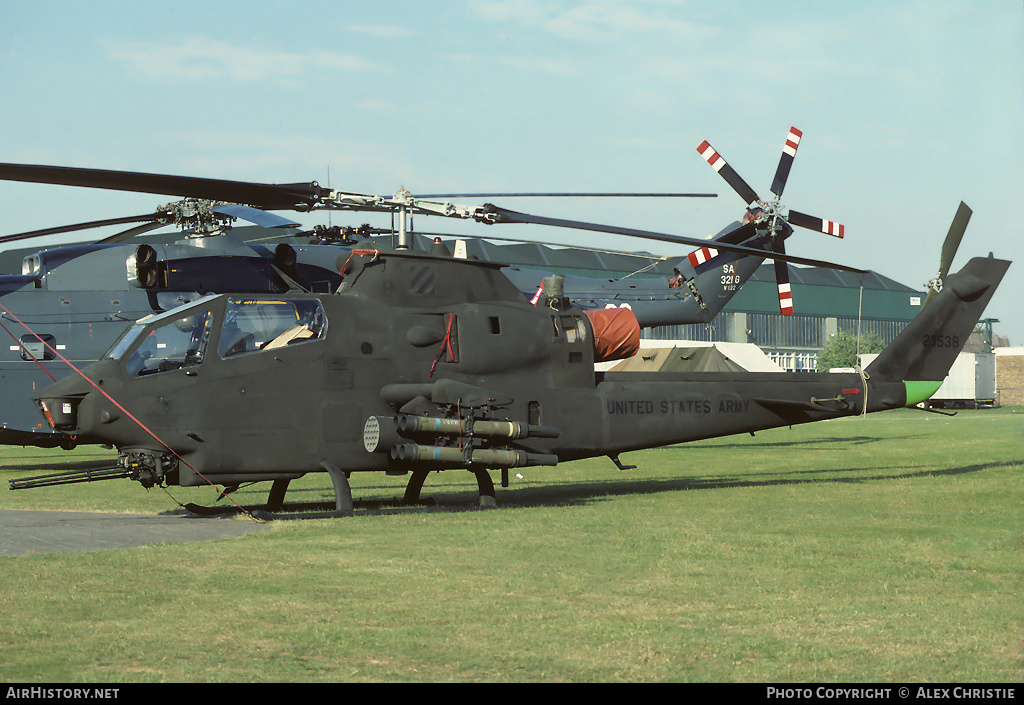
(638, 410)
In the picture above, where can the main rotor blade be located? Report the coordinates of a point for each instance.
(268, 196)
(704, 255)
(82, 226)
(507, 216)
(130, 233)
(728, 173)
(828, 227)
(520, 241)
(568, 195)
(786, 161)
(255, 216)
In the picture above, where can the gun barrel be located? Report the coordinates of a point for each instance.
(69, 477)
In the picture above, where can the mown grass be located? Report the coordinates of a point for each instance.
(880, 549)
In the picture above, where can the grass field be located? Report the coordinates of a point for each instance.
(880, 549)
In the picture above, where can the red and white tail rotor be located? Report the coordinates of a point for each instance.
(769, 212)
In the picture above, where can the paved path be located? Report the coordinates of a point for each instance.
(23, 531)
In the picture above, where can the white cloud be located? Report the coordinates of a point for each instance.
(354, 163)
(381, 105)
(597, 20)
(548, 66)
(382, 31)
(203, 58)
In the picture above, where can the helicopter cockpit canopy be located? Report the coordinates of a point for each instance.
(265, 324)
(170, 341)
(180, 338)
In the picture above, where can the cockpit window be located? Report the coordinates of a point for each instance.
(180, 342)
(252, 324)
(121, 345)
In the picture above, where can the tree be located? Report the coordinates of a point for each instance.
(841, 350)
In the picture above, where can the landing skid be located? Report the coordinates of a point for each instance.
(343, 505)
(299, 510)
(483, 481)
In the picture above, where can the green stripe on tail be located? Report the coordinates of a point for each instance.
(918, 392)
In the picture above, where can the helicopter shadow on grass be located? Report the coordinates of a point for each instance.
(451, 498)
(586, 493)
(811, 442)
(47, 465)
(454, 499)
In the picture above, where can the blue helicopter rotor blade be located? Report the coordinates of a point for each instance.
(256, 216)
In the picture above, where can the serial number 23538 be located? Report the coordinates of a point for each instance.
(941, 341)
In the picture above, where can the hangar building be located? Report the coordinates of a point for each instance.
(825, 300)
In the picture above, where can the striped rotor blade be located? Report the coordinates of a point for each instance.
(719, 164)
(700, 259)
(828, 227)
(786, 161)
(782, 280)
(702, 256)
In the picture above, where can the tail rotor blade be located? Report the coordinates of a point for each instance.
(786, 161)
(953, 237)
(782, 280)
(949, 247)
(728, 173)
(828, 227)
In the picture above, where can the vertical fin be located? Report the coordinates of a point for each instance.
(928, 346)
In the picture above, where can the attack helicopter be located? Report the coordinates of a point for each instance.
(422, 362)
(78, 299)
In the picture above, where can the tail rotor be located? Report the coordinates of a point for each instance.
(767, 216)
(949, 247)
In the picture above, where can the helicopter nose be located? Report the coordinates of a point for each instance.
(73, 405)
(64, 405)
(60, 412)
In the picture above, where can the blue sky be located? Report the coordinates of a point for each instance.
(907, 108)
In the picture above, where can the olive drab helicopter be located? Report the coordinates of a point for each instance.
(421, 362)
(78, 299)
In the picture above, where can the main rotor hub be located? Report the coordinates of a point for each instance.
(198, 215)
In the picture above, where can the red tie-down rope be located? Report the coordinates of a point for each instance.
(118, 405)
(446, 345)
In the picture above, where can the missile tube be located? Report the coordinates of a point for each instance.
(391, 434)
(412, 452)
(474, 428)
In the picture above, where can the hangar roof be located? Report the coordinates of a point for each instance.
(817, 291)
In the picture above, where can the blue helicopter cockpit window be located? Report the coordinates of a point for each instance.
(251, 325)
(179, 342)
(121, 345)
